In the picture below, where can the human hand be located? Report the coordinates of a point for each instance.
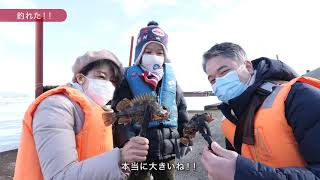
(220, 163)
(135, 150)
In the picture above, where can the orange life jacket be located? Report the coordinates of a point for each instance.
(93, 139)
(275, 144)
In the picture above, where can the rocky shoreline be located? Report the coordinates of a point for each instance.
(7, 164)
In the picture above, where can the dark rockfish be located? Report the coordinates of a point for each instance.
(198, 123)
(135, 110)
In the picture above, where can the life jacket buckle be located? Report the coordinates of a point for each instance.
(266, 88)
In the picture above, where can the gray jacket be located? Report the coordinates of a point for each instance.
(56, 122)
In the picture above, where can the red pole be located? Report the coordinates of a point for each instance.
(39, 59)
(131, 48)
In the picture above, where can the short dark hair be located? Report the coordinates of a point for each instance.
(225, 49)
(116, 77)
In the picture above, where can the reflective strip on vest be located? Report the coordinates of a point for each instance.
(275, 144)
(270, 99)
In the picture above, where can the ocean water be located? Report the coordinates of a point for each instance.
(14, 105)
(12, 109)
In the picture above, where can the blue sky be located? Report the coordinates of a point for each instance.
(262, 28)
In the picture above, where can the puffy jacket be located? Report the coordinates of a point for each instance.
(302, 113)
(162, 140)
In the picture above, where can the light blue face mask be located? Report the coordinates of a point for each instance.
(228, 87)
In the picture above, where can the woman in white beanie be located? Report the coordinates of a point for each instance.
(64, 134)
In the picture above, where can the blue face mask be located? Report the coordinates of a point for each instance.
(228, 87)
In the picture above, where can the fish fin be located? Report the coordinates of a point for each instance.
(124, 120)
(143, 98)
(108, 118)
(123, 104)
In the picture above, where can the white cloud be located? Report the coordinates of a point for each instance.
(107, 26)
(261, 28)
(13, 32)
(17, 32)
(131, 31)
(17, 4)
(185, 49)
(215, 3)
(57, 73)
(136, 7)
(2, 50)
(19, 76)
(125, 40)
(267, 28)
(16, 76)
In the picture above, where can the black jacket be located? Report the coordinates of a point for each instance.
(162, 141)
(302, 111)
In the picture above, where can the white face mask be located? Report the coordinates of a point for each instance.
(100, 91)
(152, 63)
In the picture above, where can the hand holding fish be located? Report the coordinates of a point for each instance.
(135, 150)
